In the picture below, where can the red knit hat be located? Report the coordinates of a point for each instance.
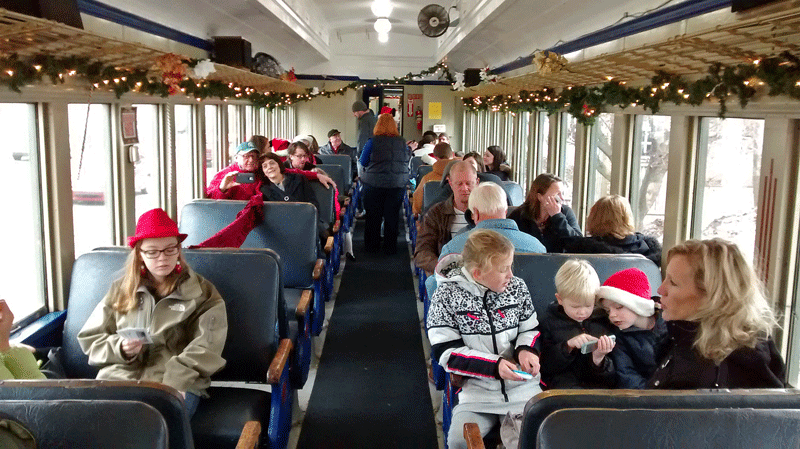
(631, 289)
(155, 224)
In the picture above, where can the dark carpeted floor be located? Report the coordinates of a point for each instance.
(371, 388)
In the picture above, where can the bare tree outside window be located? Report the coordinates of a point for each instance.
(649, 174)
(728, 193)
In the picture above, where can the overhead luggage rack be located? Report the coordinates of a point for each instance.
(742, 42)
(29, 36)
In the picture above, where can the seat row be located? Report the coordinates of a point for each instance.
(275, 291)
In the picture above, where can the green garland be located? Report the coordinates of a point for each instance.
(781, 74)
(16, 73)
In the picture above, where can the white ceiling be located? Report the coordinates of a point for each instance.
(337, 38)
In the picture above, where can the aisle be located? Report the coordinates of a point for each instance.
(371, 388)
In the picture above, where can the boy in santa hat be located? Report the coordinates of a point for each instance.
(626, 297)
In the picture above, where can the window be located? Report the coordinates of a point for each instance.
(249, 121)
(567, 169)
(147, 187)
(727, 181)
(90, 165)
(544, 141)
(21, 282)
(649, 173)
(212, 142)
(234, 125)
(184, 154)
(600, 158)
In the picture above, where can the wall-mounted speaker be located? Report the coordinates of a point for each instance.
(472, 77)
(64, 11)
(743, 5)
(233, 51)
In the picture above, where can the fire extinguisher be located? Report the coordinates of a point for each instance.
(419, 118)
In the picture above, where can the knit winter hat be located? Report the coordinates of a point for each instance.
(359, 105)
(631, 289)
(155, 223)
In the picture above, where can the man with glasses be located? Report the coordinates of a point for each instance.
(224, 185)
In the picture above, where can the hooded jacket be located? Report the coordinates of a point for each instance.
(682, 367)
(471, 328)
(188, 328)
(634, 355)
(565, 368)
(635, 243)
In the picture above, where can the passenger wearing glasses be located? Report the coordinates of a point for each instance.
(161, 321)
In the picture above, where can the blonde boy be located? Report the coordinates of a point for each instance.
(569, 323)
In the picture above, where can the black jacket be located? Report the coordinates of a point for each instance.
(559, 229)
(681, 367)
(635, 243)
(571, 369)
(634, 355)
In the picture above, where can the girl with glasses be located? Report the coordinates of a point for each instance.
(161, 321)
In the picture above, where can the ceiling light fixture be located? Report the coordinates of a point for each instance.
(383, 37)
(383, 26)
(381, 8)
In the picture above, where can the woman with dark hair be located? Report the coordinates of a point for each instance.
(718, 320)
(277, 184)
(476, 160)
(610, 225)
(495, 160)
(179, 316)
(545, 216)
(385, 161)
(300, 157)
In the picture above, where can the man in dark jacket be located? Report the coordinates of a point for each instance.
(336, 146)
(365, 124)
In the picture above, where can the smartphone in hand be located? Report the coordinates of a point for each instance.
(245, 178)
(592, 345)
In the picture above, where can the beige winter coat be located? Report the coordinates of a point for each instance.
(188, 328)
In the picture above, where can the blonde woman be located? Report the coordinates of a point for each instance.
(718, 320)
(162, 321)
(610, 225)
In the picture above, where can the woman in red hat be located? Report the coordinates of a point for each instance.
(161, 321)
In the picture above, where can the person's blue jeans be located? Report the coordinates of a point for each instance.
(191, 401)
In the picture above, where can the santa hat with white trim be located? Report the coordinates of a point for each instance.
(631, 289)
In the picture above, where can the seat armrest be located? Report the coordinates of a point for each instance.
(329, 245)
(250, 434)
(304, 303)
(337, 226)
(472, 433)
(318, 267)
(279, 361)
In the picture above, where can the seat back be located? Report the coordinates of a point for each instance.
(414, 164)
(432, 193)
(325, 198)
(422, 171)
(164, 399)
(337, 173)
(92, 275)
(92, 423)
(651, 418)
(539, 271)
(341, 160)
(514, 192)
(289, 229)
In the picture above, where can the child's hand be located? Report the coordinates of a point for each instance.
(604, 346)
(506, 369)
(529, 362)
(580, 340)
